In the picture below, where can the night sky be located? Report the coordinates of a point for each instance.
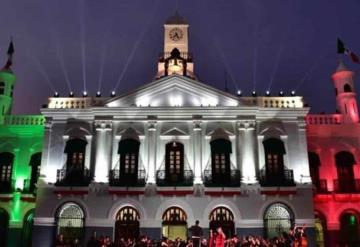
(255, 44)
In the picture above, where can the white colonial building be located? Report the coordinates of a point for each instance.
(176, 150)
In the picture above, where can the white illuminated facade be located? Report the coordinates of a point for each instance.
(175, 142)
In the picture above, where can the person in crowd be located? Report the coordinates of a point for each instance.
(196, 234)
(220, 238)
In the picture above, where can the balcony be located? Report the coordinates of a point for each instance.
(232, 181)
(73, 178)
(186, 180)
(7, 187)
(320, 187)
(115, 179)
(347, 185)
(285, 179)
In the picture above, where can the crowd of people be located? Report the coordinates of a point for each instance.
(294, 238)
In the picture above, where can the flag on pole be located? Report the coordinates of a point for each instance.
(343, 49)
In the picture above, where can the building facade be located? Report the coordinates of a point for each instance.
(176, 150)
(21, 139)
(334, 144)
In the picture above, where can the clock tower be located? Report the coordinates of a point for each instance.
(176, 58)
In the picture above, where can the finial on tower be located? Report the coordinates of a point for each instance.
(10, 53)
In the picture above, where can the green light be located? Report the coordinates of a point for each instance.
(16, 209)
(352, 220)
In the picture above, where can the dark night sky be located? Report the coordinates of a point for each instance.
(293, 42)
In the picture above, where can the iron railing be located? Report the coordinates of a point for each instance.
(347, 185)
(232, 180)
(75, 177)
(116, 179)
(320, 186)
(163, 179)
(284, 178)
(7, 186)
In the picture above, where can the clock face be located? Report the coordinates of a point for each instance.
(176, 34)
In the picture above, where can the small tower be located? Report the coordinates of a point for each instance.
(176, 58)
(346, 103)
(7, 82)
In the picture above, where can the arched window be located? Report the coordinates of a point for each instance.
(314, 163)
(6, 166)
(344, 163)
(349, 229)
(174, 162)
(129, 159)
(220, 157)
(4, 225)
(2, 88)
(278, 218)
(174, 223)
(70, 221)
(320, 229)
(224, 218)
(347, 88)
(27, 228)
(35, 162)
(127, 224)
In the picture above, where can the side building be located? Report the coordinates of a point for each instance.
(334, 156)
(175, 150)
(21, 138)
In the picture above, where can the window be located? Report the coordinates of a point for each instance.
(75, 150)
(349, 229)
(35, 162)
(129, 156)
(6, 164)
(224, 218)
(314, 163)
(347, 88)
(174, 223)
(2, 88)
(174, 162)
(274, 161)
(12, 91)
(344, 163)
(278, 218)
(70, 221)
(127, 224)
(220, 157)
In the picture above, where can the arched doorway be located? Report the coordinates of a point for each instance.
(320, 229)
(71, 221)
(4, 225)
(349, 229)
(174, 223)
(127, 224)
(278, 218)
(27, 228)
(222, 216)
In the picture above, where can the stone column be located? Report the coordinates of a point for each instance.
(152, 136)
(103, 152)
(303, 167)
(248, 160)
(197, 152)
(44, 168)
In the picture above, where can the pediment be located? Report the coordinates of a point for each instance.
(175, 132)
(174, 91)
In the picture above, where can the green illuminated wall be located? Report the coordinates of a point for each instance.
(21, 135)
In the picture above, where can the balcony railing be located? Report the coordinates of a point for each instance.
(7, 186)
(347, 185)
(73, 178)
(232, 181)
(163, 180)
(285, 178)
(320, 186)
(116, 179)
